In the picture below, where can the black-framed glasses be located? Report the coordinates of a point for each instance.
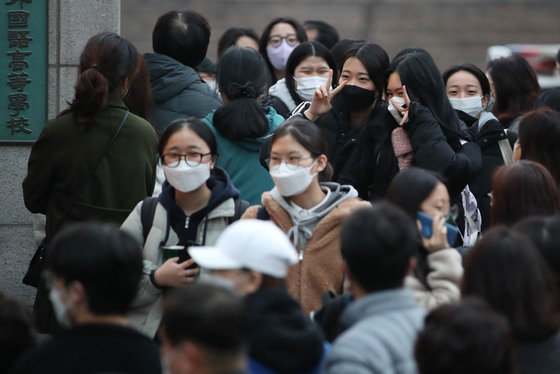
(173, 159)
(291, 162)
(276, 40)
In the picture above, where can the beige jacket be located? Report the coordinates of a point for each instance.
(320, 268)
(444, 280)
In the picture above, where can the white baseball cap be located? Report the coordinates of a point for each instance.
(253, 244)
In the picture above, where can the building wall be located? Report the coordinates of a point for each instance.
(453, 31)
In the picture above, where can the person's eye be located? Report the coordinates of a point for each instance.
(345, 77)
(472, 93)
(452, 93)
(389, 95)
(275, 159)
(363, 79)
(293, 160)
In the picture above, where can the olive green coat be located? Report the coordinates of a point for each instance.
(63, 156)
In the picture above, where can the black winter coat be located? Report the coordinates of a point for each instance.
(487, 137)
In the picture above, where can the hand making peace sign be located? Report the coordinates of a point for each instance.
(322, 97)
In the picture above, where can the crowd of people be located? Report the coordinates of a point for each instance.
(306, 204)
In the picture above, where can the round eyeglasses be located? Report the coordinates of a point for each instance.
(276, 40)
(192, 159)
(291, 162)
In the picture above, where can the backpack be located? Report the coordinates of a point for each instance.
(149, 205)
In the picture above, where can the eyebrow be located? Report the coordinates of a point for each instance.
(468, 85)
(189, 147)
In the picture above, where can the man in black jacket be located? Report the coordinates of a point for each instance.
(93, 271)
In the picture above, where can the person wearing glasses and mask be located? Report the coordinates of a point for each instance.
(278, 40)
(308, 209)
(197, 202)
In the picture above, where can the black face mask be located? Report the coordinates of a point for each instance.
(355, 98)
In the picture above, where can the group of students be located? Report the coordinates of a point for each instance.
(297, 140)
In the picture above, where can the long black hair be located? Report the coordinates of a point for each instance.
(474, 71)
(232, 35)
(375, 60)
(242, 76)
(424, 84)
(300, 53)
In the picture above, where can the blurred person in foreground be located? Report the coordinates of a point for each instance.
(93, 271)
(377, 246)
(204, 331)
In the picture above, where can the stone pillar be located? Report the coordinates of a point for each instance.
(70, 24)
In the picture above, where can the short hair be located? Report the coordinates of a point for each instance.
(521, 190)
(539, 136)
(515, 85)
(327, 35)
(17, 334)
(377, 244)
(208, 315)
(105, 260)
(549, 98)
(300, 53)
(465, 338)
(474, 71)
(544, 232)
(505, 269)
(232, 35)
(182, 35)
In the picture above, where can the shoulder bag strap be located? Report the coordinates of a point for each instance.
(87, 179)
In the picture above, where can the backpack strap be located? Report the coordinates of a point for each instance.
(262, 214)
(240, 208)
(147, 212)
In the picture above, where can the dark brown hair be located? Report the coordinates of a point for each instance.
(521, 190)
(515, 85)
(106, 61)
(310, 137)
(138, 98)
(539, 137)
(506, 270)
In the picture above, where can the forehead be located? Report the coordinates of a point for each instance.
(312, 61)
(286, 144)
(463, 78)
(282, 29)
(438, 194)
(354, 65)
(394, 81)
(186, 138)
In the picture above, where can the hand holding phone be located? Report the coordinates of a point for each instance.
(436, 234)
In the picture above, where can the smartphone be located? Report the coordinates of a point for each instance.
(426, 221)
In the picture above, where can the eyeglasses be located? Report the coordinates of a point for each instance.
(192, 159)
(276, 40)
(291, 162)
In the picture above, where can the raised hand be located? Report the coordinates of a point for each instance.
(321, 102)
(403, 111)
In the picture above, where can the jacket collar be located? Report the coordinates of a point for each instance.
(378, 303)
(115, 100)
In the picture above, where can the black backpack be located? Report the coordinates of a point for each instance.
(149, 205)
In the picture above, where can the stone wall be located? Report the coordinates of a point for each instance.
(453, 31)
(71, 23)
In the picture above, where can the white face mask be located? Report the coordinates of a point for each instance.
(213, 85)
(470, 105)
(394, 112)
(60, 309)
(290, 182)
(307, 86)
(187, 178)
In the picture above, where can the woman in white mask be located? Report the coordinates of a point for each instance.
(306, 70)
(469, 92)
(307, 210)
(196, 204)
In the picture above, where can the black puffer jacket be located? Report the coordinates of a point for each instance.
(487, 132)
(373, 163)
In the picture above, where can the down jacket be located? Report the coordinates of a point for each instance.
(178, 91)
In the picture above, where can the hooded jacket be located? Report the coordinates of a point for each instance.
(205, 226)
(240, 159)
(178, 91)
(282, 339)
(320, 265)
(280, 99)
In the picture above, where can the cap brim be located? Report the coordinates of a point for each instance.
(213, 258)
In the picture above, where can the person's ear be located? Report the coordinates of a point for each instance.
(321, 163)
(254, 282)
(213, 161)
(485, 99)
(194, 358)
(412, 266)
(77, 294)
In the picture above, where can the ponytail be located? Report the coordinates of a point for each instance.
(240, 119)
(106, 61)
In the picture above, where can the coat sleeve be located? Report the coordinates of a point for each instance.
(443, 279)
(147, 292)
(349, 358)
(37, 185)
(251, 212)
(432, 152)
